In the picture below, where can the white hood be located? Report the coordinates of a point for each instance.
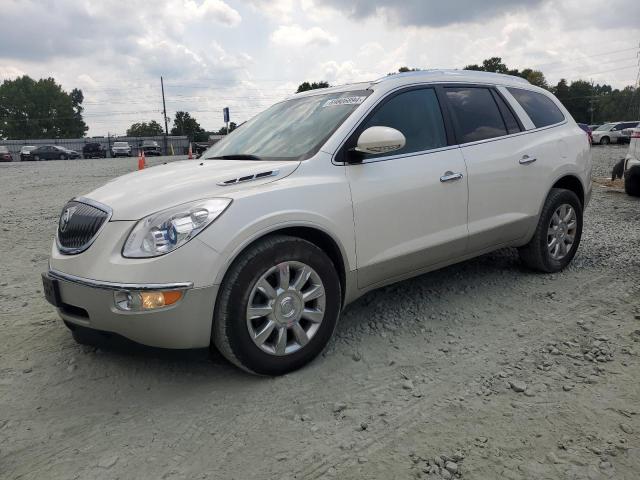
(143, 192)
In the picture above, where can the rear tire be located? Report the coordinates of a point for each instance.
(632, 185)
(542, 253)
(236, 333)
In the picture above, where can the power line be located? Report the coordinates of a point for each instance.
(610, 52)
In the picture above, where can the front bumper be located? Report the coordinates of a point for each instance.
(90, 303)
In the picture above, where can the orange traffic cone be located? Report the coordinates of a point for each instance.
(141, 164)
(190, 152)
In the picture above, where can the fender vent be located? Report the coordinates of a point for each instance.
(248, 178)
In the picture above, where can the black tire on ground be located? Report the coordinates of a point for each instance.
(632, 185)
(36, 158)
(605, 141)
(230, 333)
(535, 255)
(62, 157)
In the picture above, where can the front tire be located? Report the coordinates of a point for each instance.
(605, 141)
(557, 235)
(277, 307)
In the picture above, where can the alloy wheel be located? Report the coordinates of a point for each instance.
(562, 231)
(286, 307)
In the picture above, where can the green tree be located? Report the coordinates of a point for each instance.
(185, 124)
(305, 86)
(585, 101)
(223, 130)
(496, 65)
(144, 129)
(33, 109)
(404, 70)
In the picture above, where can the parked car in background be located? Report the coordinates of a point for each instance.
(252, 249)
(5, 154)
(151, 148)
(594, 126)
(612, 132)
(632, 165)
(588, 130)
(625, 135)
(53, 152)
(94, 150)
(199, 148)
(25, 153)
(121, 149)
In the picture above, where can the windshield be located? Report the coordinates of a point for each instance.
(606, 126)
(290, 130)
(4, 149)
(120, 144)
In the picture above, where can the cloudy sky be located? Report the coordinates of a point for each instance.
(247, 54)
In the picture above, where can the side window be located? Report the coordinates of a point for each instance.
(475, 113)
(540, 108)
(415, 113)
(507, 115)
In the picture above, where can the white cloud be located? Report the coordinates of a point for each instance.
(209, 10)
(280, 10)
(296, 36)
(247, 54)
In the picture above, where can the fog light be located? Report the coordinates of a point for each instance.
(146, 300)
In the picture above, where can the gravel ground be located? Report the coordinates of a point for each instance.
(478, 371)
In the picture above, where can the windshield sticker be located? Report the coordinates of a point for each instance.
(344, 101)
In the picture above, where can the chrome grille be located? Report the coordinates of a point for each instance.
(79, 225)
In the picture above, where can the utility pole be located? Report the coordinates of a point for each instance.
(164, 112)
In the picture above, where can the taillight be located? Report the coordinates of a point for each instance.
(635, 134)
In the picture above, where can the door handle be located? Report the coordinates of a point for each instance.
(526, 159)
(449, 176)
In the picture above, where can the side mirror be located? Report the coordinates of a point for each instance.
(377, 140)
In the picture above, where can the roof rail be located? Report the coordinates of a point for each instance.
(453, 73)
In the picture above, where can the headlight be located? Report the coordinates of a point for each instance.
(164, 231)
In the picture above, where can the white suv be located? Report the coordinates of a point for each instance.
(121, 148)
(257, 247)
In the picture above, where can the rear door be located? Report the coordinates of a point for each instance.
(504, 178)
(410, 206)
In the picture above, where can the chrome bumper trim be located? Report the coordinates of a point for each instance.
(119, 286)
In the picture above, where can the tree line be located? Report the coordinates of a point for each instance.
(32, 109)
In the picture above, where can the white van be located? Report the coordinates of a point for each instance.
(256, 247)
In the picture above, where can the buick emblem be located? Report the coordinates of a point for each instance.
(66, 217)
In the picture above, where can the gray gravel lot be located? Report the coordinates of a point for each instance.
(478, 371)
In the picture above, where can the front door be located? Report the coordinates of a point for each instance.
(410, 207)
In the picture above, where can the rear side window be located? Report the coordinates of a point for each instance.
(540, 108)
(475, 113)
(415, 113)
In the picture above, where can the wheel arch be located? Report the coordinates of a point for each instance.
(311, 233)
(573, 184)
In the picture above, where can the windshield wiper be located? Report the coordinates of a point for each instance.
(237, 156)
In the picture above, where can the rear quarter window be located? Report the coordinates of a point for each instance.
(541, 109)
